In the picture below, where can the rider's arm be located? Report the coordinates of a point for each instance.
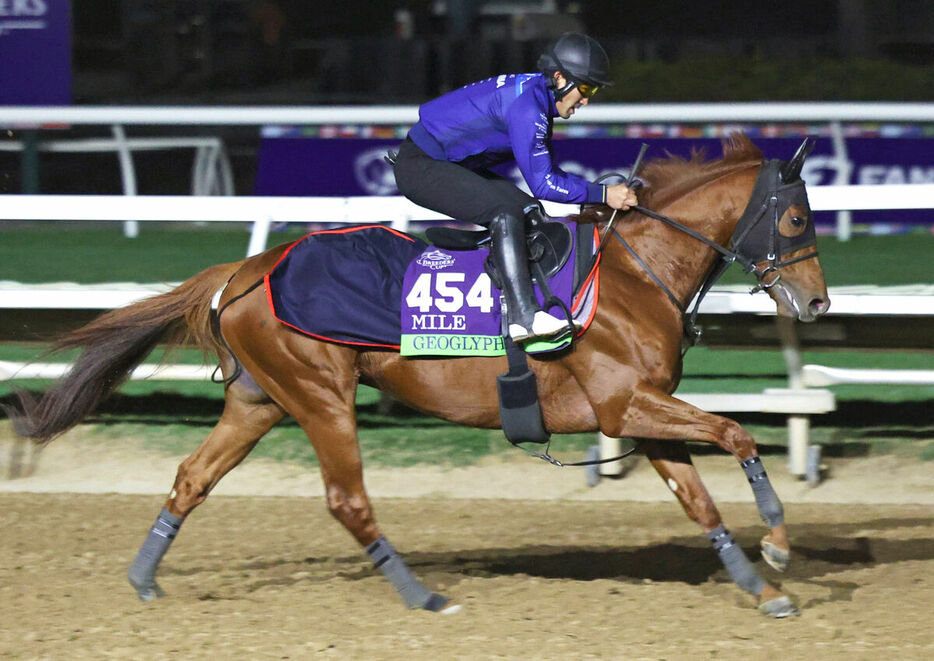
(528, 134)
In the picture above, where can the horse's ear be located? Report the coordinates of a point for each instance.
(792, 169)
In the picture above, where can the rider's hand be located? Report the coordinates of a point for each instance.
(620, 196)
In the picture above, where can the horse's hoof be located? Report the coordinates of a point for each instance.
(779, 608)
(149, 591)
(777, 558)
(438, 604)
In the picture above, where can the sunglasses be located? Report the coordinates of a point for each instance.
(587, 90)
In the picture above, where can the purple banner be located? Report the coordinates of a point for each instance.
(35, 52)
(354, 166)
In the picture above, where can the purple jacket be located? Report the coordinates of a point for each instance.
(500, 119)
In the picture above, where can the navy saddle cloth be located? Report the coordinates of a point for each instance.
(344, 285)
(347, 286)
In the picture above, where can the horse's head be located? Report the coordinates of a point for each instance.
(775, 239)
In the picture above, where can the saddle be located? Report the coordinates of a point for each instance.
(460, 316)
(549, 247)
(550, 243)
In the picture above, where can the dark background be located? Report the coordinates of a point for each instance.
(304, 52)
(379, 51)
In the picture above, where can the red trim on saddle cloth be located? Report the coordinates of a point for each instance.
(346, 230)
(595, 276)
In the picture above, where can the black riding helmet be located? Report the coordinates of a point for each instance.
(579, 58)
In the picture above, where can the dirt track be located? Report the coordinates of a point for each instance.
(569, 578)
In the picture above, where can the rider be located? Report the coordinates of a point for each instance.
(443, 163)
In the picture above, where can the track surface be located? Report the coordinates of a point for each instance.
(549, 569)
(275, 577)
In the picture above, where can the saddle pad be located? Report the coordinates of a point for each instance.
(451, 307)
(372, 286)
(344, 285)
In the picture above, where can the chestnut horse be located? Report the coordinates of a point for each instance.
(618, 377)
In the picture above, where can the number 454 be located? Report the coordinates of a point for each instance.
(445, 292)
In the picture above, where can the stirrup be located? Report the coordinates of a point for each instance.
(543, 325)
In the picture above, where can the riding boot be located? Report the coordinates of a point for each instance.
(525, 318)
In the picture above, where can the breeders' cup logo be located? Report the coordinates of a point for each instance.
(373, 173)
(435, 260)
(22, 15)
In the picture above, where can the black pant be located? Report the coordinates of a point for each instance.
(451, 189)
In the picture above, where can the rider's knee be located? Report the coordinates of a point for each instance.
(508, 217)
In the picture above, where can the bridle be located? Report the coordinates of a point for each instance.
(778, 187)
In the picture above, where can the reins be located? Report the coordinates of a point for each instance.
(746, 224)
(692, 333)
(775, 180)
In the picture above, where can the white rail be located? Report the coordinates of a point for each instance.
(263, 211)
(832, 114)
(10, 370)
(819, 376)
(598, 113)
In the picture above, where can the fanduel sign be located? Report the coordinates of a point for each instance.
(35, 52)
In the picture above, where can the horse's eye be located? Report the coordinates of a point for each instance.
(798, 221)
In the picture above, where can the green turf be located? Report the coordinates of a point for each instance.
(897, 259)
(871, 418)
(51, 252)
(705, 370)
(174, 417)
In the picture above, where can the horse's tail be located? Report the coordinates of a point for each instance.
(113, 345)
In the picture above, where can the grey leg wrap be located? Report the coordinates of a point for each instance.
(142, 573)
(770, 507)
(413, 593)
(737, 564)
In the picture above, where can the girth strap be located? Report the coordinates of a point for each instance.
(520, 412)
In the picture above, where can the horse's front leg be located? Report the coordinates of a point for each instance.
(673, 463)
(653, 414)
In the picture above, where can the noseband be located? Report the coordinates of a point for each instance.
(778, 187)
(753, 243)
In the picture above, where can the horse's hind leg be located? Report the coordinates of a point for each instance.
(316, 383)
(674, 465)
(330, 423)
(248, 415)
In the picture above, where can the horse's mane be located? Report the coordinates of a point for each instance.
(675, 174)
(666, 179)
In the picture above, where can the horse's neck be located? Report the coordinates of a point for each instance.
(679, 260)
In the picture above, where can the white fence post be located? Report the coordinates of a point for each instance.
(259, 236)
(127, 174)
(798, 425)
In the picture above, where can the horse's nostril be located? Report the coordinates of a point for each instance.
(818, 306)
